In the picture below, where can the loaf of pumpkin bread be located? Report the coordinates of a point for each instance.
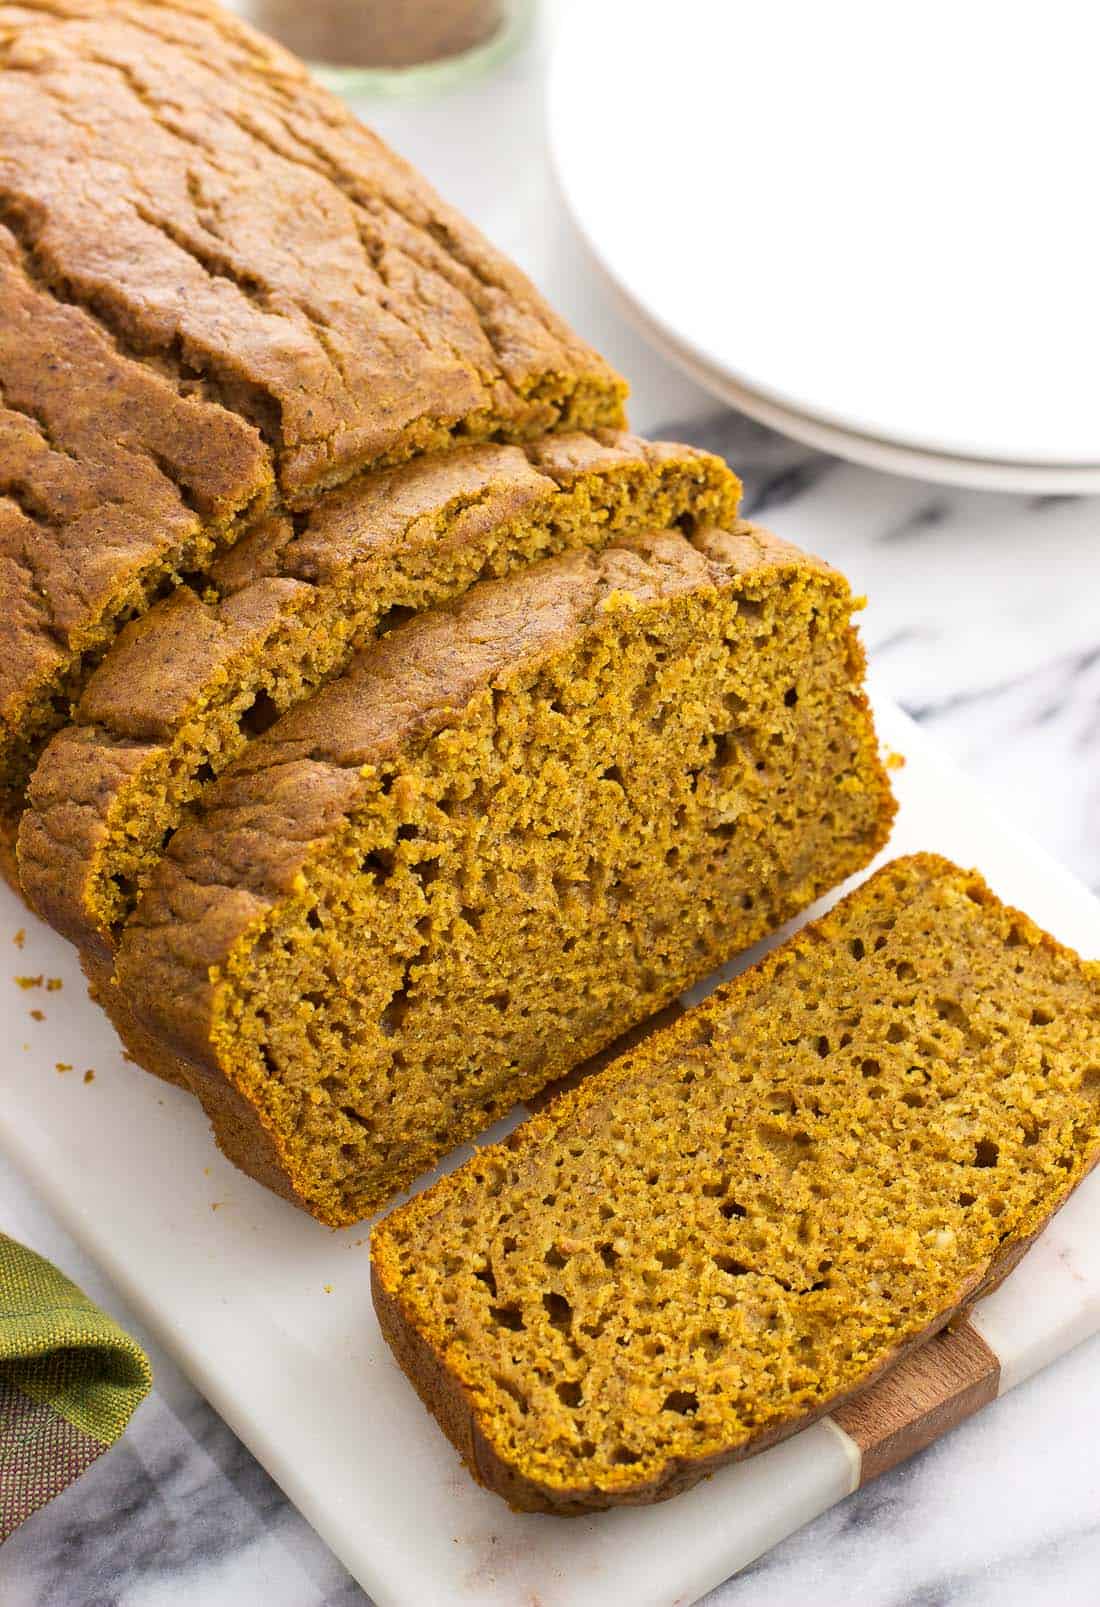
(741, 1223)
(216, 288)
(515, 827)
(184, 688)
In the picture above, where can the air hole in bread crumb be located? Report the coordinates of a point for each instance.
(684, 1401)
(510, 1317)
(622, 1457)
(952, 1012)
(986, 1152)
(379, 863)
(559, 1311)
(426, 871)
(569, 1392)
(259, 716)
(394, 1014)
(670, 1259)
(487, 1277)
(729, 1264)
(731, 1209)
(554, 1258)
(1041, 1017)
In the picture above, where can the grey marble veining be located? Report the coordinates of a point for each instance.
(984, 623)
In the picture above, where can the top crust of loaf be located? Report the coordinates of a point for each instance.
(1031, 1024)
(215, 285)
(105, 469)
(186, 182)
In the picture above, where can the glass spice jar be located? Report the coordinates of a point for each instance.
(392, 46)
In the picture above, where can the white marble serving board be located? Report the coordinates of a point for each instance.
(270, 1314)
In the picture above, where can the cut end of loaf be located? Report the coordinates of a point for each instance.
(186, 687)
(740, 1223)
(517, 827)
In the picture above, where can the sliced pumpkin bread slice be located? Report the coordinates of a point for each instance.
(185, 687)
(515, 827)
(741, 1223)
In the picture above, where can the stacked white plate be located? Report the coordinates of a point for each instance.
(868, 226)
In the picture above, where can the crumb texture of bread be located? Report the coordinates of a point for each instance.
(515, 827)
(741, 1223)
(217, 290)
(186, 686)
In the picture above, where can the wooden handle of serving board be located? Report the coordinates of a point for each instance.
(923, 1396)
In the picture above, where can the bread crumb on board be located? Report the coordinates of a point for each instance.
(20, 937)
(62, 1065)
(895, 761)
(54, 984)
(38, 1015)
(28, 982)
(89, 1075)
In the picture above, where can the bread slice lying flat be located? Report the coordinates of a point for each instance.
(518, 825)
(740, 1224)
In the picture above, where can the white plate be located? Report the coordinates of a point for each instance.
(270, 1314)
(873, 216)
(975, 473)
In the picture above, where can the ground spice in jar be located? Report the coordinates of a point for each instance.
(377, 33)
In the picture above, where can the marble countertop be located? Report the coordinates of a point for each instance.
(984, 623)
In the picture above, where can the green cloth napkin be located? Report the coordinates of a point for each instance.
(70, 1379)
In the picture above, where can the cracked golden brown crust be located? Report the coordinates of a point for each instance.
(435, 1339)
(293, 789)
(281, 611)
(251, 237)
(110, 480)
(214, 281)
